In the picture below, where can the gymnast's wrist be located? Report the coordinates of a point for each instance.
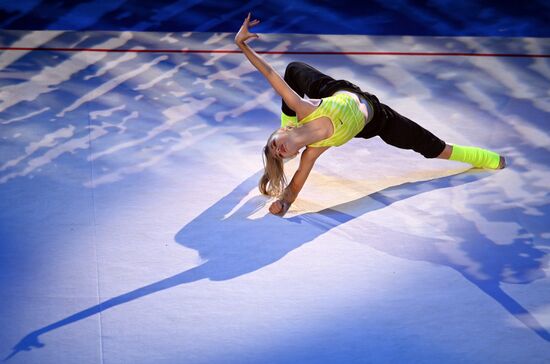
(241, 44)
(288, 196)
(285, 205)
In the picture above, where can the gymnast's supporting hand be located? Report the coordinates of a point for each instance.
(279, 207)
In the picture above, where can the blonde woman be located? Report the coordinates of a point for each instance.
(335, 112)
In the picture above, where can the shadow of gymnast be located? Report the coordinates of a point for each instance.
(234, 245)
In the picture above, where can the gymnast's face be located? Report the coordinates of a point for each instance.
(281, 144)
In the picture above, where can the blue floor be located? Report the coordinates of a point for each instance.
(132, 229)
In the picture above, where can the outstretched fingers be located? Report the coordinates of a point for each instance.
(244, 34)
(251, 23)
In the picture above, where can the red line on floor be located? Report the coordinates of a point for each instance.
(222, 51)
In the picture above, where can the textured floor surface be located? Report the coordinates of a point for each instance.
(132, 229)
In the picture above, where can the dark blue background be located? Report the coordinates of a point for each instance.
(397, 17)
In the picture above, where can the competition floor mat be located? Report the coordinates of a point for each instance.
(132, 229)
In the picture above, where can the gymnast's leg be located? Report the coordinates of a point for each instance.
(404, 133)
(305, 80)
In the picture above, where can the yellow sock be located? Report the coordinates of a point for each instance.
(478, 157)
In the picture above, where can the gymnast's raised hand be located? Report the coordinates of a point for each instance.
(244, 35)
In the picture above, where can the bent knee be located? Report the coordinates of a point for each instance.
(434, 149)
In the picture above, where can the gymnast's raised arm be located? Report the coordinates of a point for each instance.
(291, 98)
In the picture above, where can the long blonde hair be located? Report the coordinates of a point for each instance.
(273, 181)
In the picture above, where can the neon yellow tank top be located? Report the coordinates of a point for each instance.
(345, 115)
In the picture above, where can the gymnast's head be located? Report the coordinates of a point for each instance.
(279, 147)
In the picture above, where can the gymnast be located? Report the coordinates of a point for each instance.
(335, 112)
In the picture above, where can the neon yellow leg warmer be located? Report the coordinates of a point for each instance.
(478, 157)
